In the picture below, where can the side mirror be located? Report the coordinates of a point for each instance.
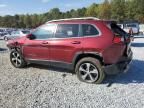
(31, 36)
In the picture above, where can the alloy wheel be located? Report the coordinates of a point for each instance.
(16, 59)
(88, 72)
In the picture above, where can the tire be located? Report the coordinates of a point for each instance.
(17, 59)
(93, 75)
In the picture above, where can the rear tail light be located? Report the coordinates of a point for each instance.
(118, 39)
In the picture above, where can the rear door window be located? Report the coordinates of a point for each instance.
(89, 30)
(67, 31)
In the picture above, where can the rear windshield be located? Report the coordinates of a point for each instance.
(117, 30)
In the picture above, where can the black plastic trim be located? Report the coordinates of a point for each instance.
(52, 63)
(84, 53)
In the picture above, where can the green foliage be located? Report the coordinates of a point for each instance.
(118, 9)
(109, 9)
(139, 10)
(92, 10)
(105, 10)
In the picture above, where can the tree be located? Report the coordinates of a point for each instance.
(118, 9)
(74, 13)
(92, 10)
(54, 14)
(67, 14)
(139, 9)
(81, 12)
(15, 21)
(105, 10)
(21, 21)
(109, 9)
(27, 21)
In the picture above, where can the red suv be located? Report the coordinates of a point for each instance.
(89, 46)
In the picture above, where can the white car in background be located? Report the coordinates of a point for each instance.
(132, 28)
(121, 26)
(141, 29)
(16, 34)
(2, 35)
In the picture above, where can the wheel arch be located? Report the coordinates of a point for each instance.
(81, 55)
(15, 46)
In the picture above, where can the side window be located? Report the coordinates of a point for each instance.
(44, 31)
(67, 31)
(89, 30)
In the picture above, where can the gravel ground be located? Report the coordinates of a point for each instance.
(46, 87)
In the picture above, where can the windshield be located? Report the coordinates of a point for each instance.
(131, 25)
(26, 32)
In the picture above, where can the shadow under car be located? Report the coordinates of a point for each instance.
(134, 75)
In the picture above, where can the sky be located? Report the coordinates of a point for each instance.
(12, 7)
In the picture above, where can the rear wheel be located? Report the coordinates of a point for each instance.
(17, 59)
(89, 70)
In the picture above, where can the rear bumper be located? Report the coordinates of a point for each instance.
(122, 66)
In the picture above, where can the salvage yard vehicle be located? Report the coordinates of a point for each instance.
(121, 26)
(91, 47)
(16, 34)
(132, 28)
(3, 34)
(141, 29)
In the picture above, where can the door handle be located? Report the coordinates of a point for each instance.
(76, 42)
(44, 43)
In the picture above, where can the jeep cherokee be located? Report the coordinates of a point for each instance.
(91, 47)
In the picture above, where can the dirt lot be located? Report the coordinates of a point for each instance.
(47, 87)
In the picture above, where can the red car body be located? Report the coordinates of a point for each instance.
(112, 49)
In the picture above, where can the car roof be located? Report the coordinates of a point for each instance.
(74, 19)
(79, 20)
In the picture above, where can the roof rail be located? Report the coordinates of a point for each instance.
(83, 18)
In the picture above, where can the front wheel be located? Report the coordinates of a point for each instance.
(17, 59)
(89, 70)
